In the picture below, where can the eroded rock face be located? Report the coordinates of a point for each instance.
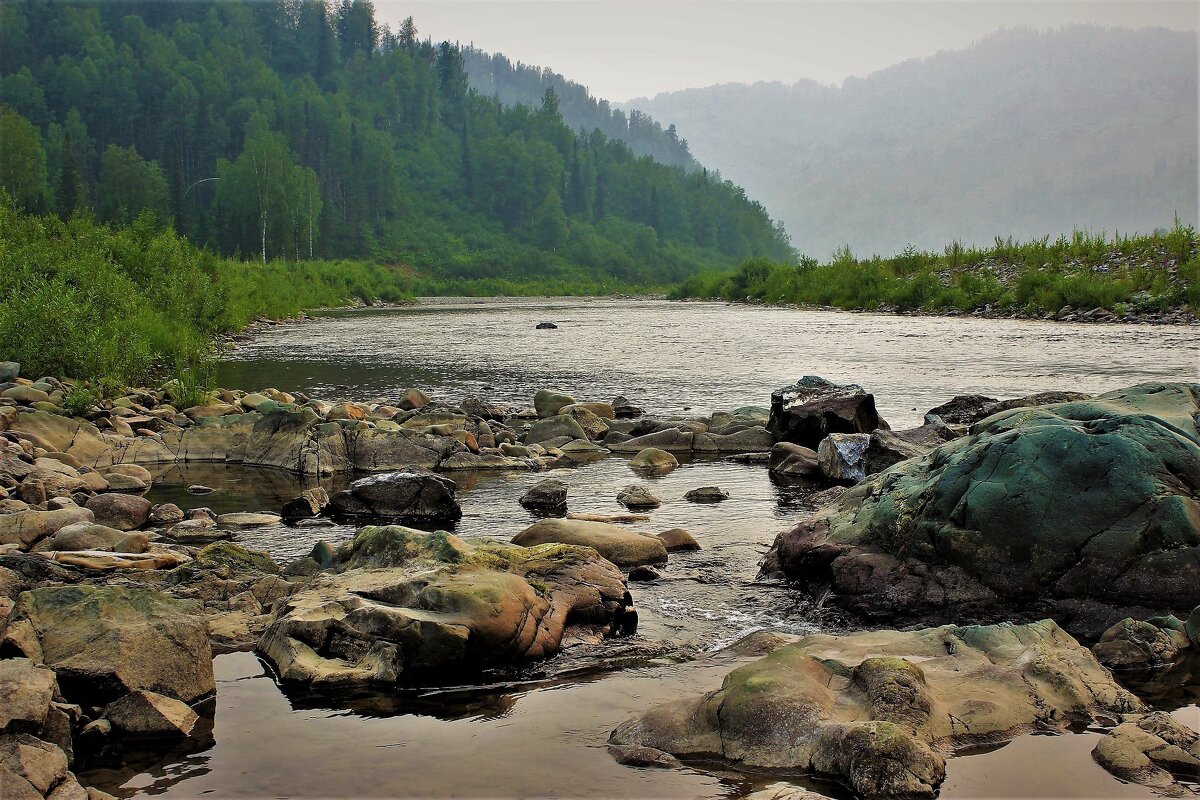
(405, 606)
(876, 709)
(408, 495)
(1091, 502)
(806, 413)
(106, 641)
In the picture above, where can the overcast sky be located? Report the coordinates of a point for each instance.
(622, 49)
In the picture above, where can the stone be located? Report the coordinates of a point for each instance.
(964, 409)
(706, 494)
(26, 691)
(678, 539)
(1070, 508)
(483, 410)
(25, 528)
(601, 410)
(124, 483)
(545, 326)
(42, 764)
(105, 641)
(351, 411)
(548, 404)
(413, 399)
(234, 558)
(81, 536)
(877, 709)
(548, 496)
(622, 547)
(623, 409)
(144, 713)
(125, 512)
(131, 470)
(671, 440)
(652, 461)
(637, 498)
(252, 401)
(411, 495)
(1133, 644)
(644, 574)
(165, 514)
(25, 394)
(400, 606)
(9, 370)
(806, 413)
(843, 456)
(247, 519)
(550, 428)
(309, 503)
(794, 460)
(1152, 750)
(592, 424)
(199, 488)
(888, 448)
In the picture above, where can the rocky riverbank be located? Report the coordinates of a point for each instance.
(1071, 516)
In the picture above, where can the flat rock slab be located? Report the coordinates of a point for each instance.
(621, 546)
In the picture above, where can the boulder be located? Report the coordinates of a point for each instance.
(843, 456)
(309, 503)
(413, 399)
(26, 691)
(876, 710)
(25, 394)
(891, 447)
(964, 409)
(593, 425)
(9, 370)
(165, 514)
(754, 439)
(106, 641)
(413, 495)
(1153, 750)
(794, 460)
(706, 494)
(653, 461)
(82, 536)
(1137, 645)
(623, 409)
(484, 410)
(546, 496)
(672, 440)
(125, 512)
(144, 713)
(548, 403)
(806, 413)
(401, 606)
(637, 498)
(1058, 507)
(677, 540)
(40, 765)
(601, 410)
(622, 547)
(136, 471)
(545, 326)
(25, 528)
(550, 428)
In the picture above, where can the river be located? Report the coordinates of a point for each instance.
(547, 739)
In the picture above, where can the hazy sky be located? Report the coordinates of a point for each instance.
(622, 49)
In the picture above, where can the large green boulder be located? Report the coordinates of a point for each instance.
(402, 606)
(1079, 505)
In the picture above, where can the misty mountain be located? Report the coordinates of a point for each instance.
(1022, 134)
(494, 75)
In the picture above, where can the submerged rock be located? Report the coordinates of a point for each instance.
(706, 494)
(1090, 502)
(405, 606)
(876, 709)
(622, 547)
(547, 496)
(806, 413)
(637, 498)
(653, 461)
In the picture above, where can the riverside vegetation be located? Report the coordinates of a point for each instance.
(1124, 276)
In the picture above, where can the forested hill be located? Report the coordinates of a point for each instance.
(1023, 134)
(286, 129)
(494, 75)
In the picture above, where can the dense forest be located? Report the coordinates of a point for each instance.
(496, 76)
(297, 130)
(1025, 133)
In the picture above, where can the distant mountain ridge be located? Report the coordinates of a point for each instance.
(494, 75)
(1023, 134)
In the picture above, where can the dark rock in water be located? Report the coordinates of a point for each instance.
(644, 574)
(1085, 502)
(964, 409)
(416, 496)
(400, 606)
(309, 503)
(642, 757)
(623, 409)
(546, 496)
(637, 498)
(794, 460)
(706, 494)
(545, 326)
(1136, 645)
(891, 447)
(806, 413)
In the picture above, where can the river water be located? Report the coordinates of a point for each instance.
(547, 738)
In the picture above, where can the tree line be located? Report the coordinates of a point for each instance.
(295, 129)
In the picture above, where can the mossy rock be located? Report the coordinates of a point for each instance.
(235, 557)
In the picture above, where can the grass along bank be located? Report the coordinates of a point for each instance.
(120, 304)
(1130, 277)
